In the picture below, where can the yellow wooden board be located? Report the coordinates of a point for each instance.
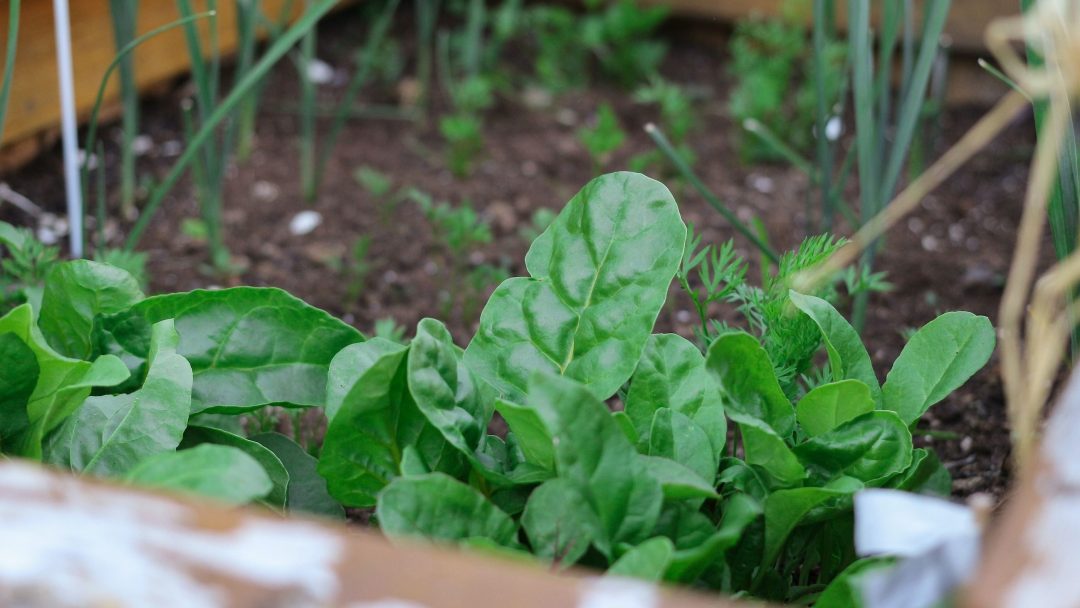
(965, 26)
(35, 101)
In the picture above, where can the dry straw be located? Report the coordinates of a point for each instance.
(1031, 353)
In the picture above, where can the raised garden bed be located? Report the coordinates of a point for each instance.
(381, 250)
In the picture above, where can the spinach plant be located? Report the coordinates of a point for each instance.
(661, 488)
(100, 380)
(730, 467)
(23, 268)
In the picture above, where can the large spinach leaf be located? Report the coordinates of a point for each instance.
(937, 360)
(248, 346)
(592, 453)
(75, 293)
(108, 435)
(598, 277)
(62, 383)
(215, 471)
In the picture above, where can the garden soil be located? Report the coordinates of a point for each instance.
(952, 254)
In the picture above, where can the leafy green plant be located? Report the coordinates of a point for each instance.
(561, 61)
(388, 329)
(132, 262)
(358, 268)
(23, 268)
(603, 137)
(460, 229)
(539, 221)
(102, 380)
(375, 182)
(677, 119)
(98, 379)
(618, 35)
(465, 141)
(622, 38)
(467, 61)
(655, 490)
(776, 70)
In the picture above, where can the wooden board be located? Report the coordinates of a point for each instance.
(73, 542)
(35, 100)
(965, 26)
(1032, 551)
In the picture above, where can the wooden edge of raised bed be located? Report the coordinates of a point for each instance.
(69, 541)
(965, 25)
(1032, 552)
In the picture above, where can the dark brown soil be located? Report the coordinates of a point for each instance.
(952, 255)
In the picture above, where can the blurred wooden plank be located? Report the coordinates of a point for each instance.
(1033, 550)
(69, 542)
(35, 102)
(966, 24)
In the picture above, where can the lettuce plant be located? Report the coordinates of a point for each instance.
(720, 468)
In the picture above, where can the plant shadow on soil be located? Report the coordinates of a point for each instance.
(952, 254)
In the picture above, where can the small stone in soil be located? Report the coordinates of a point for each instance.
(762, 184)
(502, 216)
(566, 117)
(265, 191)
(304, 222)
(536, 98)
(142, 144)
(172, 148)
(320, 72)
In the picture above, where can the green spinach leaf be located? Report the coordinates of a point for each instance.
(249, 347)
(108, 435)
(275, 470)
(598, 277)
(671, 374)
(307, 491)
(558, 522)
(62, 383)
(748, 379)
(830, 405)
(75, 293)
(937, 360)
(870, 448)
(216, 471)
(593, 454)
(647, 561)
(848, 358)
(440, 508)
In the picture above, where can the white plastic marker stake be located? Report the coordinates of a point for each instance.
(68, 126)
(936, 541)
